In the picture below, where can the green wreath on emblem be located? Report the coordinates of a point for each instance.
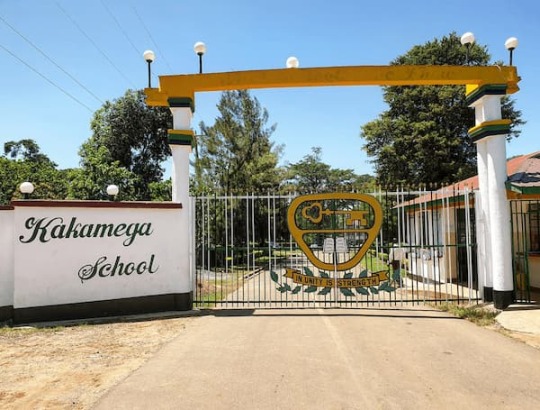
(385, 286)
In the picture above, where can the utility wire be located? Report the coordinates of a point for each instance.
(137, 51)
(94, 44)
(152, 39)
(50, 59)
(45, 78)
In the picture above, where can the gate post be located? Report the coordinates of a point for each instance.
(180, 142)
(489, 134)
(485, 271)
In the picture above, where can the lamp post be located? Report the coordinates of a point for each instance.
(510, 45)
(467, 40)
(149, 57)
(200, 49)
(112, 191)
(26, 189)
(292, 62)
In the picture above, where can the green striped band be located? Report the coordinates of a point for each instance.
(181, 102)
(501, 127)
(488, 89)
(180, 138)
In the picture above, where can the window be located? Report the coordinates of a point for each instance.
(534, 225)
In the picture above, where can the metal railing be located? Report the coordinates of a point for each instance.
(246, 257)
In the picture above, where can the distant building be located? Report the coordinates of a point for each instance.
(440, 230)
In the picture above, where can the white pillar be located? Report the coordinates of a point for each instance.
(180, 140)
(499, 222)
(483, 237)
(492, 176)
(180, 154)
(180, 174)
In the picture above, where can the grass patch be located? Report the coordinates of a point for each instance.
(476, 314)
(374, 264)
(211, 290)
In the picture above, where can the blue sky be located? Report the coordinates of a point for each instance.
(100, 43)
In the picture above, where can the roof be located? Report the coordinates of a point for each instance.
(523, 178)
(522, 171)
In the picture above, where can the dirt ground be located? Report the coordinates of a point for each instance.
(72, 367)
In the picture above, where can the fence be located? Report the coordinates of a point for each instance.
(525, 246)
(425, 251)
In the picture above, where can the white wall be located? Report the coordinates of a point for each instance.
(428, 260)
(424, 264)
(6, 257)
(55, 271)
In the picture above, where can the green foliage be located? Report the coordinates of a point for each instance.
(235, 155)
(91, 181)
(127, 148)
(161, 190)
(422, 137)
(26, 150)
(27, 163)
(312, 175)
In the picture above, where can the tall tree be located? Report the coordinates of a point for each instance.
(134, 136)
(311, 174)
(422, 137)
(236, 154)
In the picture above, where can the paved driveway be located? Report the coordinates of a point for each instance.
(412, 358)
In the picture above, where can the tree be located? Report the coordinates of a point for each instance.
(236, 154)
(24, 161)
(27, 150)
(309, 174)
(98, 171)
(312, 175)
(134, 136)
(422, 137)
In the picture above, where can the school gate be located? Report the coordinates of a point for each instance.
(335, 250)
(484, 88)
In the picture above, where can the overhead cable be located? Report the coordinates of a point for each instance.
(152, 39)
(137, 51)
(46, 78)
(95, 45)
(50, 59)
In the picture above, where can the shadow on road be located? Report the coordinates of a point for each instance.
(364, 313)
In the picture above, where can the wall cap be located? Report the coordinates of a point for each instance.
(95, 204)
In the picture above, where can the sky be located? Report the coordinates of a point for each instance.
(61, 59)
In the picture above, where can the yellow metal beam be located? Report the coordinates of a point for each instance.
(171, 86)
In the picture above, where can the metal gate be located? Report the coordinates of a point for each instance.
(525, 244)
(246, 257)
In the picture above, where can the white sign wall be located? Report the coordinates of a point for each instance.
(6, 260)
(75, 254)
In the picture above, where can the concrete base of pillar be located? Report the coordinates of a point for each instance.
(502, 298)
(488, 294)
